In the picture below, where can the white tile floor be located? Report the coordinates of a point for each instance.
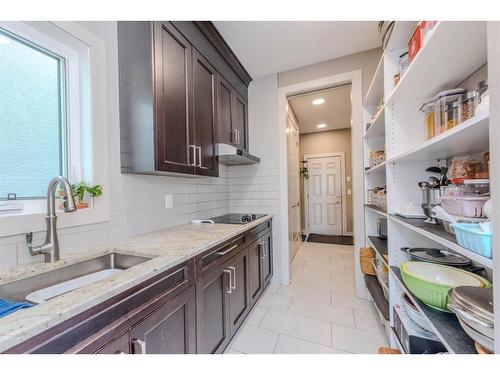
(317, 313)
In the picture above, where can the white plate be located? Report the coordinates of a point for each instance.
(43, 295)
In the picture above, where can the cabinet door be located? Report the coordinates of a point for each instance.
(239, 299)
(225, 111)
(255, 271)
(204, 115)
(213, 331)
(173, 96)
(120, 345)
(170, 329)
(266, 242)
(240, 120)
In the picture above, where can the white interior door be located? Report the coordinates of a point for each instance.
(325, 195)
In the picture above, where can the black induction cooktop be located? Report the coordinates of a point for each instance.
(236, 218)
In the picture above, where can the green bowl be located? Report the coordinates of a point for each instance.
(431, 283)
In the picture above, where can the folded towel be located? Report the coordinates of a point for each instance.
(8, 307)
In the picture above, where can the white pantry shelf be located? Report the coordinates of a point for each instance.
(376, 90)
(450, 54)
(378, 168)
(401, 34)
(469, 137)
(437, 234)
(377, 128)
(375, 209)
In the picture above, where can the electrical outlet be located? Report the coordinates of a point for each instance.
(168, 201)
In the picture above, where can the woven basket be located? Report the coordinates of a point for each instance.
(365, 259)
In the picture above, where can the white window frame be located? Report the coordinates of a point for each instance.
(86, 131)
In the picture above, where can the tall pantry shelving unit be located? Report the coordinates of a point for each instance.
(451, 53)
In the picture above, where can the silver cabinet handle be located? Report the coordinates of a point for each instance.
(198, 148)
(230, 281)
(231, 268)
(235, 136)
(141, 344)
(262, 249)
(193, 155)
(228, 250)
(238, 133)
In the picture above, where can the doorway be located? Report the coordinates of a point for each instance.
(354, 79)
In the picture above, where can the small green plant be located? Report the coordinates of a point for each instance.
(79, 189)
(304, 171)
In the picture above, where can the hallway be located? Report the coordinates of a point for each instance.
(317, 314)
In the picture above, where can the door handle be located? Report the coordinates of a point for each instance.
(193, 155)
(230, 281)
(231, 268)
(141, 344)
(199, 156)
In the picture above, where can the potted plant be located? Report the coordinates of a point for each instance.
(304, 171)
(79, 189)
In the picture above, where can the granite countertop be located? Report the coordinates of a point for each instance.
(167, 248)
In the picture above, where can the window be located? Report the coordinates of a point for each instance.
(32, 117)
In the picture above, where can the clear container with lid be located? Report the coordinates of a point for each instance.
(483, 102)
(403, 64)
(451, 115)
(468, 105)
(429, 110)
(442, 103)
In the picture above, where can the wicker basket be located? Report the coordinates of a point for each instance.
(366, 254)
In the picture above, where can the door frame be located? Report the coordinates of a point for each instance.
(343, 189)
(353, 77)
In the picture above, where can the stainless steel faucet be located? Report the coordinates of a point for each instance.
(50, 249)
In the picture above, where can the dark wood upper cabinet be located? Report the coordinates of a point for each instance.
(182, 90)
(240, 121)
(204, 115)
(174, 135)
(225, 111)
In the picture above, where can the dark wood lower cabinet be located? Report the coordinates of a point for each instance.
(194, 307)
(170, 329)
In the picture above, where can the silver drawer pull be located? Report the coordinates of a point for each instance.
(228, 250)
(230, 290)
(233, 277)
(141, 344)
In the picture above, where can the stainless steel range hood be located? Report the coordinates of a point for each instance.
(230, 155)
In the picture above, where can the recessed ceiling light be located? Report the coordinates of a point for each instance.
(318, 101)
(321, 126)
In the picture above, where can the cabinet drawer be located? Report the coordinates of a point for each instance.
(218, 255)
(254, 233)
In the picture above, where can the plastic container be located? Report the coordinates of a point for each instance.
(403, 64)
(468, 105)
(483, 104)
(428, 108)
(452, 115)
(415, 42)
(466, 206)
(473, 238)
(441, 101)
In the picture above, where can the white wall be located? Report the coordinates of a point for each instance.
(137, 203)
(256, 188)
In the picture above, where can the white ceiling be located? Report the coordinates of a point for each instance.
(266, 47)
(335, 112)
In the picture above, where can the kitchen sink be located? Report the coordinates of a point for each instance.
(45, 286)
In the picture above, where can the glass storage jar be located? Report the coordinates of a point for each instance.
(468, 105)
(451, 114)
(483, 97)
(429, 110)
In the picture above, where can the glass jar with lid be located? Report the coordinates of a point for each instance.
(451, 114)
(429, 110)
(483, 97)
(468, 105)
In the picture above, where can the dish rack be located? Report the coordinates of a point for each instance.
(473, 238)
